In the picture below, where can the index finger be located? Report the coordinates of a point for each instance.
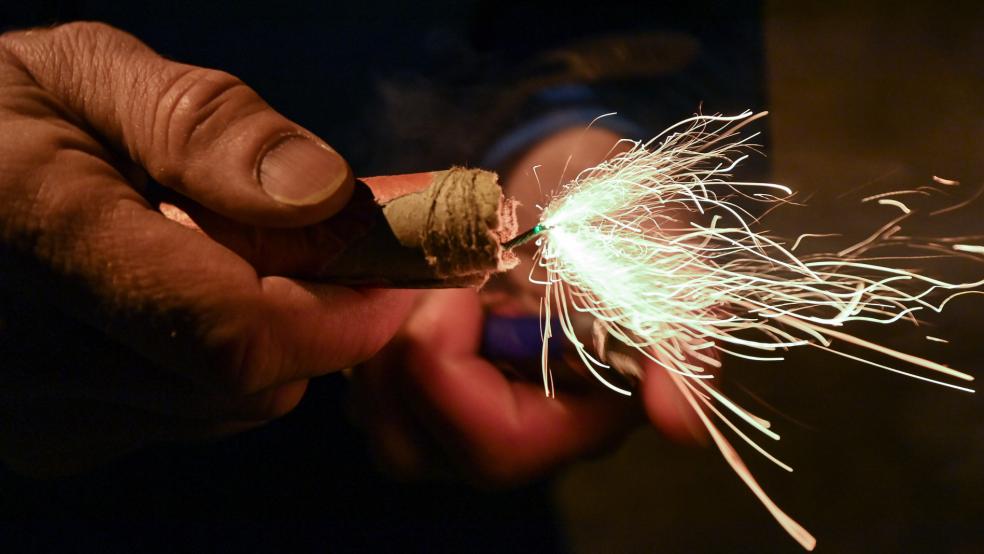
(507, 429)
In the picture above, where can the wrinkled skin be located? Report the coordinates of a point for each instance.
(181, 337)
(86, 114)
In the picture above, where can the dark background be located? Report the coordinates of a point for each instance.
(876, 95)
(865, 97)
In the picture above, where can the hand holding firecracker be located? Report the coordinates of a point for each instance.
(194, 324)
(656, 244)
(661, 248)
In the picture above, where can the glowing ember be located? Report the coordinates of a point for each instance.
(655, 244)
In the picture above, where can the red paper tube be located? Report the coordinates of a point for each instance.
(424, 230)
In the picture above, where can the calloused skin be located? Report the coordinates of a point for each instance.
(182, 337)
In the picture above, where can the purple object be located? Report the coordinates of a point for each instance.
(517, 338)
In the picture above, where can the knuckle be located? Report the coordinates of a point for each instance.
(63, 43)
(79, 62)
(8, 40)
(194, 108)
(84, 33)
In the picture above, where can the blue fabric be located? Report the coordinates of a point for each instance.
(528, 134)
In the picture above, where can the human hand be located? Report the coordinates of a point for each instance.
(431, 399)
(216, 342)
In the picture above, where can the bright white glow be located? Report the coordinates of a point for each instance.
(657, 244)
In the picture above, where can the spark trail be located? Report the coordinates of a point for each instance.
(657, 245)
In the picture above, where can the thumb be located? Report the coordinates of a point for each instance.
(198, 131)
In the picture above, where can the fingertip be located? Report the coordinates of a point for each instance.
(447, 321)
(301, 172)
(668, 410)
(322, 327)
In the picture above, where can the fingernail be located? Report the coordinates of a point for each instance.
(301, 172)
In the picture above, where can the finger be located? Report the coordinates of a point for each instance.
(508, 430)
(38, 344)
(299, 251)
(199, 131)
(171, 293)
(666, 407)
